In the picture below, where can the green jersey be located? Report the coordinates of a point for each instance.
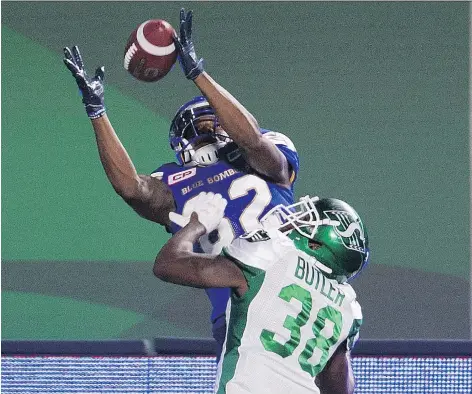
(283, 330)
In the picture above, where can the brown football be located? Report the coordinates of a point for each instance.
(150, 52)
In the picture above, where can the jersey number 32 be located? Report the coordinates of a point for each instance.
(248, 218)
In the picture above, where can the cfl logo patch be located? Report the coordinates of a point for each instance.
(180, 176)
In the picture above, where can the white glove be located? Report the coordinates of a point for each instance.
(210, 208)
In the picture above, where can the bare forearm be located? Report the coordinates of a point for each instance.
(172, 263)
(261, 154)
(333, 387)
(115, 160)
(240, 125)
(177, 263)
(148, 196)
(337, 376)
(182, 242)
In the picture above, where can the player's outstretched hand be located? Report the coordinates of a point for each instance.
(90, 88)
(191, 66)
(209, 207)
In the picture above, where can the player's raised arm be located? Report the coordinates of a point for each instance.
(261, 153)
(148, 196)
(337, 376)
(177, 263)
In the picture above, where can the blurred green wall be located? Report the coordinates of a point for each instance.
(373, 94)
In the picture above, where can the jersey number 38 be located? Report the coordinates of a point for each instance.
(295, 323)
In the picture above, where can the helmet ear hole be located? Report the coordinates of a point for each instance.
(313, 245)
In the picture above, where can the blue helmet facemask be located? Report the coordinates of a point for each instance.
(184, 134)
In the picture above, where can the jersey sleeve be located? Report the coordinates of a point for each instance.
(353, 335)
(160, 171)
(288, 149)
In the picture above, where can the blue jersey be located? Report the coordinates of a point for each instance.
(249, 197)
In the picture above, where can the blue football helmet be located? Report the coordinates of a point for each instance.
(184, 134)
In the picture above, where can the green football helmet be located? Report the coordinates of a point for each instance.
(340, 235)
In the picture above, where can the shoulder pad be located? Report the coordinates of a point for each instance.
(278, 139)
(252, 250)
(158, 174)
(166, 167)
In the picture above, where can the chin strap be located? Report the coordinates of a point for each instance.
(204, 156)
(323, 267)
(207, 155)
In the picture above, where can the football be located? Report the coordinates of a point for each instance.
(150, 51)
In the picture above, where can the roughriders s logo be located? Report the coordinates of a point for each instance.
(349, 228)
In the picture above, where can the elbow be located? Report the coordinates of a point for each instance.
(136, 194)
(159, 270)
(156, 270)
(134, 189)
(129, 193)
(127, 196)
